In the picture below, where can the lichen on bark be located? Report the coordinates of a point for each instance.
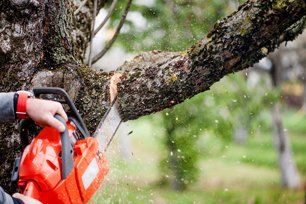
(149, 79)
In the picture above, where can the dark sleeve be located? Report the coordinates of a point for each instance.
(7, 199)
(7, 110)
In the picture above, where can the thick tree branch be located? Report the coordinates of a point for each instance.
(156, 80)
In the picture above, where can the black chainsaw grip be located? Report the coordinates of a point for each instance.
(61, 92)
(67, 152)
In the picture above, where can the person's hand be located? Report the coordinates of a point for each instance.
(43, 111)
(26, 199)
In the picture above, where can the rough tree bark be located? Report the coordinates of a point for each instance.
(41, 43)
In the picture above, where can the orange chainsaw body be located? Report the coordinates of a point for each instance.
(41, 163)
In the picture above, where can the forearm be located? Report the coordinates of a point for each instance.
(7, 110)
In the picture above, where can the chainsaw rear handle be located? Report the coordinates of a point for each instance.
(67, 152)
(61, 92)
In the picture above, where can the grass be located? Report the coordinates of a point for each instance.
(230, 173)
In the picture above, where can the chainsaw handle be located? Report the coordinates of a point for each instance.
(67, 152)
(61, 92)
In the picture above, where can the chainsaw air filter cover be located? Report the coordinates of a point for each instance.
(41, 168)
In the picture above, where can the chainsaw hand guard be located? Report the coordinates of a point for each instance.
(67, 151)
(67, 100)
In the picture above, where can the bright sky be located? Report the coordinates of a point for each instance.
(116, 55)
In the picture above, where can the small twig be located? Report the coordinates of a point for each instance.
(111, 10)
(92, 32)
(80, 7)
(110, 43)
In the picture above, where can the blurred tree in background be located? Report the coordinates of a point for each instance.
(218, 112)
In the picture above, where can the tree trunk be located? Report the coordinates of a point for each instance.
(302, 61)
(41, 44)
(289, 175)
(174, 163)
(240, 134)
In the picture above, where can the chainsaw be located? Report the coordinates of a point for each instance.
(66, 167)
